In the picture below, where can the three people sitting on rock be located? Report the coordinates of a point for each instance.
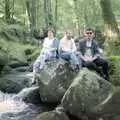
(87, 54)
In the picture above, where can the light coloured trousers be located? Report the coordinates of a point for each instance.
(40, 61)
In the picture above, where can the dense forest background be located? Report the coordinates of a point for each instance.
(23, 25)
(35, 16)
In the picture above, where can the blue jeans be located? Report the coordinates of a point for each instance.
(70, 56)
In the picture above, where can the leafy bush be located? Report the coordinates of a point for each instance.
(114, 70)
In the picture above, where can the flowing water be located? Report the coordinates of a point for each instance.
(16, 109)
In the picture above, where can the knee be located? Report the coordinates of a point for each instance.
(105, 62)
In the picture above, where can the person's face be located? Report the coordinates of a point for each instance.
(88, 34)
(68, 35)
(50, 34)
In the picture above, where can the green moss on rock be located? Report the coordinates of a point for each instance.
(52, 115)
(9, 86)
(114, 70)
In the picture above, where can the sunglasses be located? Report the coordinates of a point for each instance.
(88, 32)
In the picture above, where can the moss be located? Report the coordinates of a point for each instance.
(52, 115)
(3, 59)
(16, 54)
(34, 55)
(9, 86)
(114, 70)
(112, 47)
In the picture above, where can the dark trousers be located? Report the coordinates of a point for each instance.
(99, 62)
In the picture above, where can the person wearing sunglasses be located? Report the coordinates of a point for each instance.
(90, 54)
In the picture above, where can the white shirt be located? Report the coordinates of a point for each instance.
(47, 45)
(88, 51)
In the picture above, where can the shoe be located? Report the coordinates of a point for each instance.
(34, 79)
(106, 78)
(33, 83)
(77, 68)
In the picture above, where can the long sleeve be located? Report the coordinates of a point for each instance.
(47, 45)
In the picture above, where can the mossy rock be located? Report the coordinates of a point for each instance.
(15, 64)
(52, 115)
(9, 86)
(34, 55)
(114, 70)
(3, 60)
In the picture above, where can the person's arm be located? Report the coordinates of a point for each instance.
(46, 43)
(74, 49)
(80, 49)
(97, 52)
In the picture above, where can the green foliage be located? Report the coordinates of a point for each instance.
(112, 47)
(17, 54)
(114, 70)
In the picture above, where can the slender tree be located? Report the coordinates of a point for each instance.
(31, 6)
(9, 11)
(76, 9)
(110, 28)
(56, 14)
(48, 14)
(110, 24)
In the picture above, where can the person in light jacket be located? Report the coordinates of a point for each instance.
(48, 52)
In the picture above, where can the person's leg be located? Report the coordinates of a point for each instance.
(65, 55)
(36, 66)
(75, 61)
(51, 55)
(104, 64)
(90, 65)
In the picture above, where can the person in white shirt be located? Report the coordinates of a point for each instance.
(68, 49)
(48, 52)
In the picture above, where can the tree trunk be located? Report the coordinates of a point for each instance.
(48, 14)
(111, 30)
(28, 11)
(33, 17)
(56, 14)
(77, 15)
(110, 24)
(31, 11)
(7, 11)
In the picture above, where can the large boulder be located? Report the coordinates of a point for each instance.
(29, 95)
(87, 95)
(52, 115)
(54, 80)
(111, 109)
(9, 86)
(14, 82)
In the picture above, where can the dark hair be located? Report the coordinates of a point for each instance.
(52, 30)
(89, 29)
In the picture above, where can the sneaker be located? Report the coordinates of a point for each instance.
(33, 83)
(77, 68)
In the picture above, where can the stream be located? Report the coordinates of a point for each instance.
(16, 109)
